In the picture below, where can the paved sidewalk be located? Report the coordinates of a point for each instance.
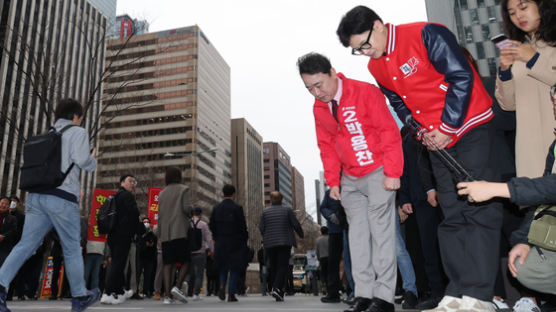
(298, 303)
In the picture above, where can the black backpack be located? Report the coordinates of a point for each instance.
(195, 236)
(42, 161)
(107, 215)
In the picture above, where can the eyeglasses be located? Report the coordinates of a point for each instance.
(552, 91)
(364, 46)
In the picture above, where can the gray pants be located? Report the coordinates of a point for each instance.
(538, 273)
(158, 275)
(197, 269)
(132, 264)
(370, 211)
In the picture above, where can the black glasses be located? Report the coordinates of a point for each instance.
(364, 46)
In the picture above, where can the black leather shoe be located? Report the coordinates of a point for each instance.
(361, 304)
(379, 305)
(330, 299)
(409, 300)
(222, 294)
(429, 303)
(232, 298)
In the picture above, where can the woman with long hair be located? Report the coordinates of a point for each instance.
(527, 71)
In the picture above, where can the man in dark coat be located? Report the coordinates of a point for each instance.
(119, 240)
(8, 229)
(277, 225)
(229, 232)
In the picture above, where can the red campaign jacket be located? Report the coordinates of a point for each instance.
(365, 138)
(425, 75)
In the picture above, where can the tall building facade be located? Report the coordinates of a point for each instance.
(277, 173)
(320, 188)
(474, 22)
(247, 175)
(298, 190)
(51, 49)
(167, 104)
(107, 8)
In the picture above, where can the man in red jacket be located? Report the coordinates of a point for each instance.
(361, 150)
(424, 74)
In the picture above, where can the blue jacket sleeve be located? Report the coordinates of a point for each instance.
(397, 103)
(448, 59)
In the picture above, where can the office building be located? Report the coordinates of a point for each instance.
(277, 173)
(247, 175)
(45, 58)
(107, 8)
(125, 26)
(167, 104)
(298, 191)
(473, 22)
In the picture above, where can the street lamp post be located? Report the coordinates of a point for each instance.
(190, 155)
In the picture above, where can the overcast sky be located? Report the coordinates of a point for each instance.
(261, 41)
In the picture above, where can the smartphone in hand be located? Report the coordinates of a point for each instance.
(501, 41)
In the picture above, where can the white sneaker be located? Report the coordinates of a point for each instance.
(447, 304)
(196, 298)
(500, 304)
(128, 293)
(119, 299)
(168, 300)
(470, 304)
(107, 299)
(526, 305)
(178, 294)
(184, 287)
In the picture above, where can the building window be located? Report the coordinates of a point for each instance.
(497, 2)
(491, 14)
(486, 32)
(474, 16)
(492, 66)
(463, 4)
(468, 34)
(480, 51)
(481, 3)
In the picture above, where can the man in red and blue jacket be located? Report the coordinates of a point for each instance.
(424, 74)
(361, 151)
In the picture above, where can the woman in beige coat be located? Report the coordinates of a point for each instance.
(174, 210)
(527, 71)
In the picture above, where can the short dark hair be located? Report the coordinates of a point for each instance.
(356, 21)
(276, 198)
(173, 175)
(228, 190)
(67, 108)
(324, 230)
(313, 63)
(4, 197)
(15, 197)
(124, 176)
(146, 218)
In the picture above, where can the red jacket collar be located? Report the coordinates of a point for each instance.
(392, 38)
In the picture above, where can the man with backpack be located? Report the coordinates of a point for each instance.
(119, 240)
(201, 238)
(57, 206)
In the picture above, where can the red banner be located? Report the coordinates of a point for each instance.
(46, 288)
(99, 197)
(152, 205)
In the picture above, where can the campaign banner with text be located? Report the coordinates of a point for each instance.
(152, 205)
(99, 197)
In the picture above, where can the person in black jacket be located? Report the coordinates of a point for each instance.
(8, 229)
(119, 240)
(277, 225)
(147, 258)
(330, 209)
(229, 232)
(534, 269)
